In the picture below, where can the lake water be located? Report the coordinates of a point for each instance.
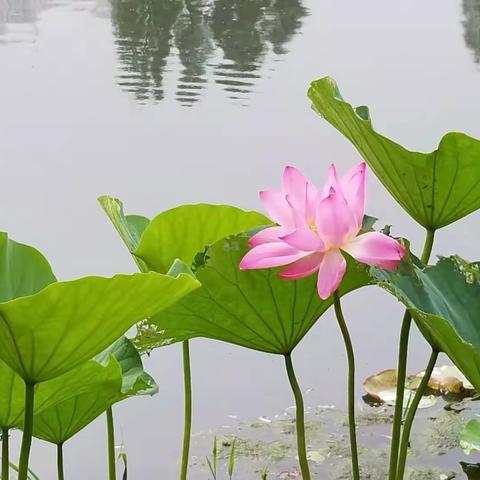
(162, 102)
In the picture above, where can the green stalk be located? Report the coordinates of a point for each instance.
(5, 453)
(351, 384)
(187, 429)
(187, 379)
(60, 472)
(401, 375)
(402, 370)
(412, 410)
(112, 475)
(27, 431)
(300, 418)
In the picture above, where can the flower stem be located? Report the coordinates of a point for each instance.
(402, 369)
(401, 374)
(5, 453)
(300, 418)
(412, 410)
(351, 384)
(60, 474)
(112, 474)
(187, 429)
(27, 431)
(427, 247)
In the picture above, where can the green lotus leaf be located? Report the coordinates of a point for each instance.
(23, 269)
(67, 323)
(254, 309)
(135, 379)
(65, 418)
(185, 231)
(12, 397)
(129, 227)
(79, 380)
(435, 188)
(444, 300)
(470, 437)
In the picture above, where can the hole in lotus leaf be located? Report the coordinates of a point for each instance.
(470, 271)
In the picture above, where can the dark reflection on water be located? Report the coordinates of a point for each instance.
(472, 470)
(471, 25)
(195, 46)
(228, 40)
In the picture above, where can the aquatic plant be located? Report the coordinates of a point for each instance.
(219, 272)
(315, 227)
(251, 308)
(48, 327)
(436, 189)
(170, 244)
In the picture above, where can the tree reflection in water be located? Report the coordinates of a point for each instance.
(155, 34)
(16, 13)
(471, 25)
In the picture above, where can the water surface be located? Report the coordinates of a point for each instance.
(163, 102)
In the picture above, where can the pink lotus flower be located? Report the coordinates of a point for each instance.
(315, 226)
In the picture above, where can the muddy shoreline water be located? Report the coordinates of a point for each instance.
(270, 442)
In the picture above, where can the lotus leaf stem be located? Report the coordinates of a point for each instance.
(402, 369)
(27, 431)
(60, 471)
(412, 410)
(187, 378)
(112, 474)
(5, 454)
(351, 384)
(300, 418)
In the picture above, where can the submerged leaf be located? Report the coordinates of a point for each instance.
(315, 456)
(66, 323)
(382, 387)
(254, 308)
(444, 300)
(448, 379)
(435, 188)
(185, 231)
